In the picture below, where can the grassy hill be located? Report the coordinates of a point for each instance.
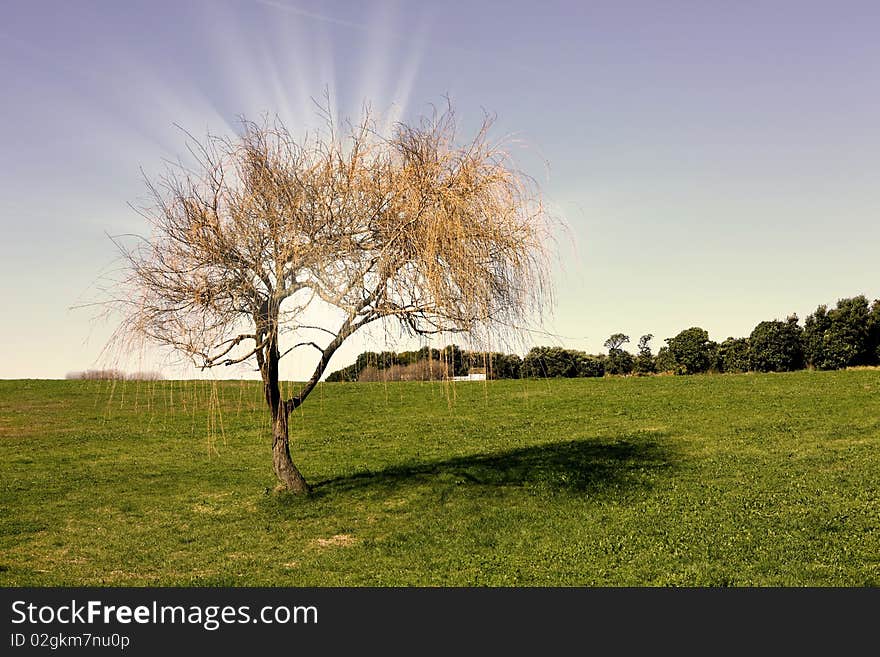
(701, 481)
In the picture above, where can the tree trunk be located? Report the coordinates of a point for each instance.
(287, 472)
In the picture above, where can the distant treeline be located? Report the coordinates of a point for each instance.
(847, 335)
(427, 364)
(114, 375)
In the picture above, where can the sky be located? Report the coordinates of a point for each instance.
(714, 164)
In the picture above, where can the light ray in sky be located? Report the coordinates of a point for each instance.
(684, 139)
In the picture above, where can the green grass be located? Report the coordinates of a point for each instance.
(766, 480)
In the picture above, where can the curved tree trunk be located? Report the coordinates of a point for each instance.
(288, 474)
(285, 470)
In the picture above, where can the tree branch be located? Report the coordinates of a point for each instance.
(234, 342)
(348, 327)
(301, 344)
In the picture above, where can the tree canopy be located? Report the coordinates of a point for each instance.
(413, 228)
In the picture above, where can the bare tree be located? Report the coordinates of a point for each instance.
(411, 228)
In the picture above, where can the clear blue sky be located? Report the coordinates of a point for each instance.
(717, 163)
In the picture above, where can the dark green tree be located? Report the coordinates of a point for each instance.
(508, 366)
(874, 333)
(691, 351)
(455, 359)
(841, 337)
(498, 365)
(619, 361)
(644, 363)
(776, 346)
(664, 361)
(549, 362)
(733, 355)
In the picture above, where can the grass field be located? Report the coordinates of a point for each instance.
(763, 480)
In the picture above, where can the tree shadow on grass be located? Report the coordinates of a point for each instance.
(593, 466)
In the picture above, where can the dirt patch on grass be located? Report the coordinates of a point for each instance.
(338, 540)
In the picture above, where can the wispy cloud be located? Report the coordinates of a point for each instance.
(434, 44)
(291, 9)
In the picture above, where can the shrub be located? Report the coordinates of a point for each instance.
(350, 373)
(590, 366)
(97, 375)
